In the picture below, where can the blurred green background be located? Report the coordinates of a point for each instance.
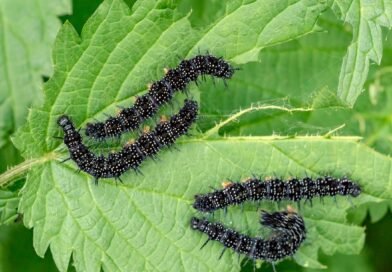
(370, 118)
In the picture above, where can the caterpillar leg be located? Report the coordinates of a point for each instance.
(273, 267)
(336, 201)
(205, 243)
(221, 255)
(118, 178)
(67, 159)
(299, 205)
(351, 201)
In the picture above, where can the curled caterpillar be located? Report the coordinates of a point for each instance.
(275, 189)
(160, 92)
(131, 155)
(288, 233)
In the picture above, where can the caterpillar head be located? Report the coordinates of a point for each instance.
(63, 121)
(348, 187)
(354, 190)
(202, 203)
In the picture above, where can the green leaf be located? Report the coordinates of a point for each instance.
(143, 224)
(302, 70)
(9, 199)
(9, 202)
(249, 26)
(298, 73)
(149, 215)
(114, 71)
(309, 66)
(304, 73)
(27, 33)
(366, 19)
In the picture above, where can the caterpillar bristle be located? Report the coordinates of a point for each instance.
(288, 233)
(133, 153)
(275, 189)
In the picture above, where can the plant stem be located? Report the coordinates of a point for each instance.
(21, 170)
(330, 133)
(232, 118)
(267, 139)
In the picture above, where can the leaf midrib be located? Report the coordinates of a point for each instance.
(136, 188)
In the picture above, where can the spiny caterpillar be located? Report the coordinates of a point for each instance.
(275, 189)
(160, 92)
(288, 233)
(131, 155)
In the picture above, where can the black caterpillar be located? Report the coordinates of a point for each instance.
(132, 155)
(160, 92)
(275, 189)
(288, 233)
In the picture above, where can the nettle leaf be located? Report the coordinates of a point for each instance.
(9, 202)
(143, 224)
(9, 198)
(28, 30)
(300, 73)
(366, 19)
(121, 71)
(304, 73)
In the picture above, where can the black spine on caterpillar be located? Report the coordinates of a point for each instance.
(131, 155)
(288, 234)
(275, 189)
(160, 92)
